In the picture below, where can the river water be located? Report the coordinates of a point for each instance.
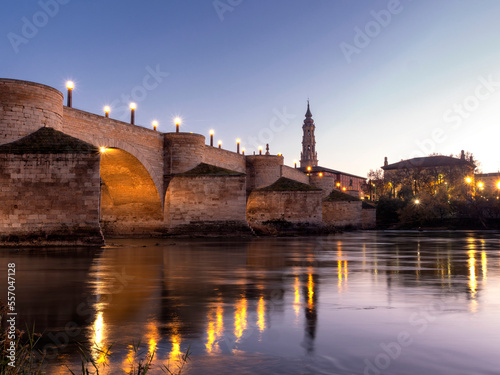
(413, 303)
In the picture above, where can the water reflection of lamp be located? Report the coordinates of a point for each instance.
(261, 314)
(296, 302)
(210, 333)
(175, 339)
(311, 314)
(472, 273)
(98, 351)
(484, 265)
(240, 317)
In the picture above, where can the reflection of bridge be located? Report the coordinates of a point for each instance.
(222, 296)
(138, 166)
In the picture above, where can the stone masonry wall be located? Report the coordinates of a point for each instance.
(342, 214)
(325, 183)
(224, 159)
(25, 107)
(262, 170)
(47, 197)
(369, 218)
(294, 174)
(292, 206)
(205, 199)
(183, 152)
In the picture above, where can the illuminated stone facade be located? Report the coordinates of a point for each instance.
(141, 182)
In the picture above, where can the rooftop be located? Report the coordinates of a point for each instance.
(286, 184)
(328, 170)
(48, 141)
(204, 169)
(429, 162)
(336, 196)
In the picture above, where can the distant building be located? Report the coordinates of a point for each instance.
(325, 178)
(430, 172)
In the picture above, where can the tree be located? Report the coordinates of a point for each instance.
(377, 184)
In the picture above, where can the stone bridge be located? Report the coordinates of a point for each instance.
(143, 188)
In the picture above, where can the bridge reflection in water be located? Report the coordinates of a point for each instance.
(264, 301)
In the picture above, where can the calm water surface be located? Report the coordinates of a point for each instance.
(412, 303)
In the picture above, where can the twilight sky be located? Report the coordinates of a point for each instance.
(384, 78)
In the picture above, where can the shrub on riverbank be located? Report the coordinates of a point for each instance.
(31, 361)
(439, 211)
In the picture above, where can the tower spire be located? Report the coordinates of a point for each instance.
(308, 113)
(308, 156)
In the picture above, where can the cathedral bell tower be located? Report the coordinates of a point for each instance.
(308, 156)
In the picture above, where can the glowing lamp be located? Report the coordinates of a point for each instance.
(295, 163)
(343, 189)
(243, 151)
(212, 137)
(320, 174)
(177, 122)
(220, 144)
(102, 149)
(468, 180)
(238, 146)
(498, 185)
(417, 201)
(260, 150)
(309, 168)
(107, 109)
(133, 106)
(70, 86)
(155, 125)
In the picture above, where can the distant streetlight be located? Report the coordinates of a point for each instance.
(155, 125)
(70, 86)
(260, 150)
(238, 146)
(480, 185)
(133, 107)
(243, 151)
(417, 201)
(295, 163)
(220, 144)
(107, 109)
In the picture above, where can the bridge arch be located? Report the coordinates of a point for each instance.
(130, 200)
(151, 158)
